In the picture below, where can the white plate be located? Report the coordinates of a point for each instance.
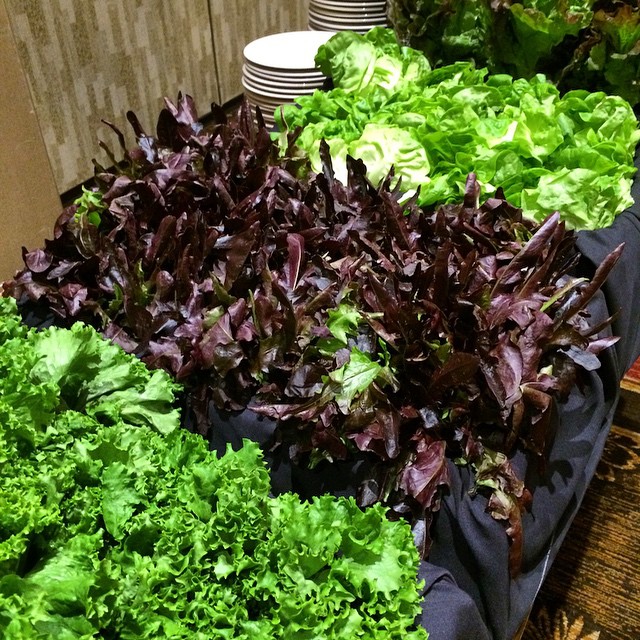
(269, 101)
(288, 50)
(268, 89)
(274, 93)
(332, 7)
(364, 18)
(268, 118)
(268, 113)
(267, 107)
(348, 17)
(315, 25)
(283, 74)
(360, 28)
(263, 75)
(351, 4)
(270, 85)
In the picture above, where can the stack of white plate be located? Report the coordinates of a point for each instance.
(280, 67)
(347, 15)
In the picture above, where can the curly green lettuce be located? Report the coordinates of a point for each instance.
(115, 522)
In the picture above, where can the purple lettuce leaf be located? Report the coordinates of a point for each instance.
(365, 326)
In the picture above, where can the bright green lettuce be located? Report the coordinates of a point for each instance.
(374, 146)
(371, 64)
(115, 522)
(577, 44)
(572, 153)
(102, 380)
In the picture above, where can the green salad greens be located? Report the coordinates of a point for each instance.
(117, 523)
(571, 153)
(587, 44)
(376, 63)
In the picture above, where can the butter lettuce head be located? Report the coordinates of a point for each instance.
(576, 43)
(381, 148)
(548, 151)
(370, 62)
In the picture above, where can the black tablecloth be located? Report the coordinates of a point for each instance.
(468, 592)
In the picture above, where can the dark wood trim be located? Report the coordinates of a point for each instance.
(628, 411)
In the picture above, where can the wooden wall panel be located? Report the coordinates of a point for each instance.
(91, 59)
(235, 23)
(29, 202)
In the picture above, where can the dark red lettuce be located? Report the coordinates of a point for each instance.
(366, 327)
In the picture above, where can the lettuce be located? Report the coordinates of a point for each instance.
(327, 305)
(538, 26)
(443, 29)
(376, 144)
(115, 522)
(98, 378)
(577, 44)
(571, 153)
(371, 64)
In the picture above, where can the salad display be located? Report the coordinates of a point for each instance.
(367, 327)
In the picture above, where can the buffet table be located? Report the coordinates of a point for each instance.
(194, 252)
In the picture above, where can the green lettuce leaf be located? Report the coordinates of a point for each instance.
(577, 44)
(371, 62)
(116, 523)
(540, 25)
(99, 378)
(547, 151)
(382, 147)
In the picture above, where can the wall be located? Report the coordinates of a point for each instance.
(29, 201)
(73, 63)
(88, 60)
(235, 23)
